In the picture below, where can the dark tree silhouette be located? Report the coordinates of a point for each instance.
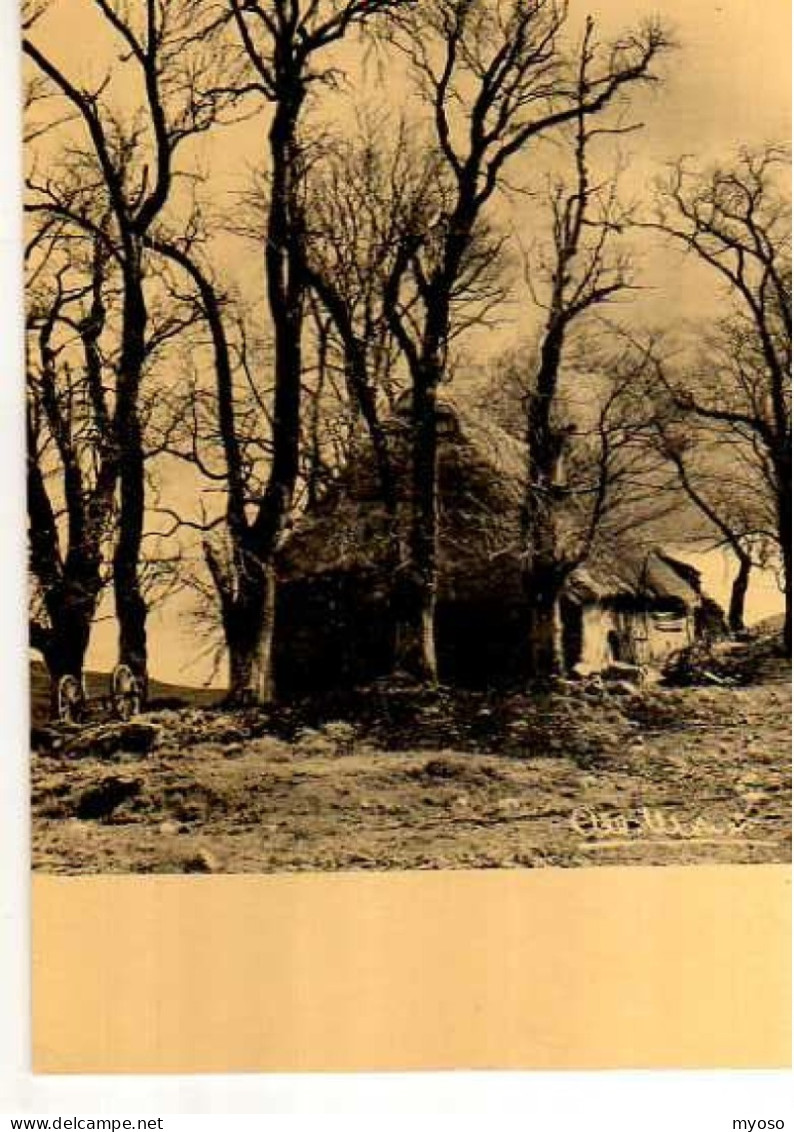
(284, 43)
(73, 451)
(735, 510)
(494, 78)
(187, 82)
(735, 219)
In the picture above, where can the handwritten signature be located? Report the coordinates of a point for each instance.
(601, 827)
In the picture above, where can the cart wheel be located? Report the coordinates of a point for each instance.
(71, 700)
(125, 692)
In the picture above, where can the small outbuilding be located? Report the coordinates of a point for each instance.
(637, 610)
(335, 621)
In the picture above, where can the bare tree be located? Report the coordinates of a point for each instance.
(367, 201)
(75, 432)
(735, 510)
(735, 219)
(356, 206)
(363, 204)
(283, 42)
(72, 450)
(584, 268)
(495, 77)
(609, 486)
(187, 81)
(225, 433)
(331, 422)
(235, 573)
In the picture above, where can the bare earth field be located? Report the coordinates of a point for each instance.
(401, 780)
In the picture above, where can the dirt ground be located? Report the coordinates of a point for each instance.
(588, 776)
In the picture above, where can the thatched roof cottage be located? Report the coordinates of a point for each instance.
(334, 621)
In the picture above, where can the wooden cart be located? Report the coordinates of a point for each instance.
(122, 702)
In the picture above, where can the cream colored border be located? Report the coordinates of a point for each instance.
(595, 968)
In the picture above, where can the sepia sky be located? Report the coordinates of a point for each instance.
(728, 84)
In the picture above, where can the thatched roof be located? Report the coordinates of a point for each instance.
(481, 488)
(652, 575)
(481, 491)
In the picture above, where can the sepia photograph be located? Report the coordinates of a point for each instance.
(408, 403)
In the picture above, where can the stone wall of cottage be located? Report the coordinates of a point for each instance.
(633, 637)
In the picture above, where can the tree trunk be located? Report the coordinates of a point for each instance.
(414, 605)
(251, 666)
(784, 529)
(249, 624)
(131, 611)
(739, 594)
(543, 576)
(545, 625)
(416, 592)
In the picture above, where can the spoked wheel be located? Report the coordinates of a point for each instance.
(126, 692)
(71, 700)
